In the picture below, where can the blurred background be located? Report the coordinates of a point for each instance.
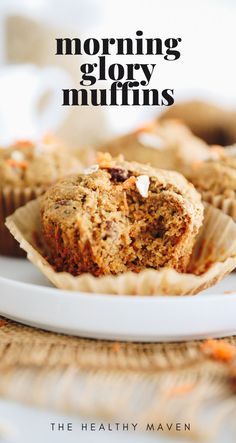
(28, 31)
(31, 78)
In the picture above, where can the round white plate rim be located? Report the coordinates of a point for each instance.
(82, 314)
(160, 298)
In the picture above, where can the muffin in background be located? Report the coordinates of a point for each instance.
(217, 177)
(212, 123)
(27, 169)
(167, 144)
(216, 181)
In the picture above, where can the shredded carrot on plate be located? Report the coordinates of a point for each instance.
(219, 350)
(180, 390)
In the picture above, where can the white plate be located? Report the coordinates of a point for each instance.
(27, 297)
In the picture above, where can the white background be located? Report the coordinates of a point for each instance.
(206, 68)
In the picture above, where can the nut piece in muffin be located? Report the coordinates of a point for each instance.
(27, 169)
(118, 216)
(167, 144)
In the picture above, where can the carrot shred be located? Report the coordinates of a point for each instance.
(24, 143)
(181, 389)
(219, 350)
(2, 322)
(145, 128)
(103, 156)
(126, 207)
(17, 164)
(115, 347)
(129, 183)
(105, 160)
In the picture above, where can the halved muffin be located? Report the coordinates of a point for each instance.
(118, 216)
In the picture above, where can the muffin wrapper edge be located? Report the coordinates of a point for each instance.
(214, 256)
(12, 198)
(225, 204)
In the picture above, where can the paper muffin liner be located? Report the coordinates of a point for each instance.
(11, 199)
(227, 204)
(214, 256)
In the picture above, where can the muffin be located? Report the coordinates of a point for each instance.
(231, 127)
(26, 171)
(216, 177)
(216, 181)
(118, 216)
(168, 145)
(208, 121)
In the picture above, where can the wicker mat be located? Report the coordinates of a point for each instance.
(126, 382)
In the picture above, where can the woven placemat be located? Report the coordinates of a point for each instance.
(116, 380)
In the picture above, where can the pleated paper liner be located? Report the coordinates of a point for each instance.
(227, 204)
(11, 199)
(214, 256)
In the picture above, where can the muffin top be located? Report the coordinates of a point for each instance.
(35, 164)
(116, 175)
(206, 120)
(217, 177)
(166, 144)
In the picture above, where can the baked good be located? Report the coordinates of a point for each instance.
(168, 144)
(216, 177)
(29, 164)
(208, 121)
(118, 216)
(231, 127)
(26, 171)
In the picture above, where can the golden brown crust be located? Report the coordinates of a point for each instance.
(123, 216)
(208, 121)
(217, 177)
(26, 171)
(29, 165)
(164, 144)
